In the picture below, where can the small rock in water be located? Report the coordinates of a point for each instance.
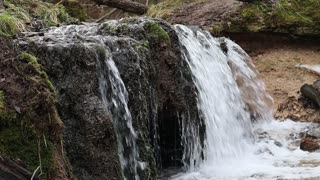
(277, 143)
(310, 145)
(314, 133)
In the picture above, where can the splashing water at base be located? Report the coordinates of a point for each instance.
(275, 155)
(230, 98)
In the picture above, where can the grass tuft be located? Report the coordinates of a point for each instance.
(10, 25)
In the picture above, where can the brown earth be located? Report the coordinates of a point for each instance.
(205, 13)
(276, 57)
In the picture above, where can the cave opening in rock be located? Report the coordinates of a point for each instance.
(171, 149)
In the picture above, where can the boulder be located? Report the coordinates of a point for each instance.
(311, 93)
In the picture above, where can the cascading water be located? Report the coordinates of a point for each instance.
(115, 97)
(219, 96)
(231, 97)
(258, 102)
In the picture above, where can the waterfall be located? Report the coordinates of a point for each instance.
(243, 141)
(227, 122)
(252, 89)
(115, 98)
(226, 132)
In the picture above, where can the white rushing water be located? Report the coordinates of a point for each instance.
(242, 139)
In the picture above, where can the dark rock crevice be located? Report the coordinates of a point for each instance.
(170, 137)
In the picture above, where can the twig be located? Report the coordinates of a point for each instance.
(106, 15)
(119, 13)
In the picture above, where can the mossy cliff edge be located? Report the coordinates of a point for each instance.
(31, 129)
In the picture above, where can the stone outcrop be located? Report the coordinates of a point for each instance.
(162, 95)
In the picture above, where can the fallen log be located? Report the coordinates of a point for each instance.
(125, 5)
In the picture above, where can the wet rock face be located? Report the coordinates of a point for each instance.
(160, 87)
(311, 140)
(310, 145)
(90, 140)
(157, 78)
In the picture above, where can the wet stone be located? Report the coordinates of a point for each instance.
(309, 145)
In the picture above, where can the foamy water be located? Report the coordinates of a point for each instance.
(275, 155)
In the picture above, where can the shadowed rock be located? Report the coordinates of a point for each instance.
(162, 95)
(311, 93)
(309, 145)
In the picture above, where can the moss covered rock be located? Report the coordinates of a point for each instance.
(156, 32)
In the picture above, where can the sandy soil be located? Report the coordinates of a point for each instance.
(278, 69)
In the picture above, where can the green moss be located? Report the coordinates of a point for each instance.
(21, 142)
(165, 8)
(37, 67)
(74, 8)
(156, 32)
(29, 58)
(63, 15)
(252, 12)
(21, 12)
(217, 29)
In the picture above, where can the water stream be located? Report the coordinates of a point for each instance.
(243, 141)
